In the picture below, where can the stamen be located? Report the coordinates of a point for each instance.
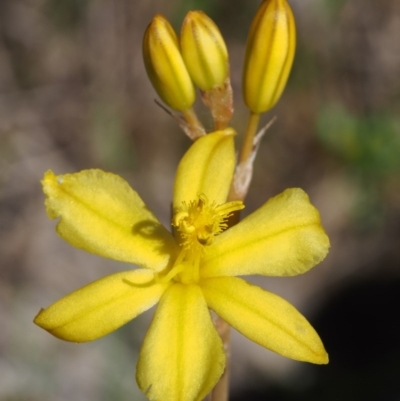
(187, 227)
(172, 273)
(229, 207)
(198, 222)
(178, 217)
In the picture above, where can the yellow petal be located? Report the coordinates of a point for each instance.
(182, 356)
(102, 306)
(264, 318)
(100, 213)
(206, 168)
(284, 237)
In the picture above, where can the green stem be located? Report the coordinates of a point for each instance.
(251, 130)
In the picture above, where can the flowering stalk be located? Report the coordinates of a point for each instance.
(185, 354)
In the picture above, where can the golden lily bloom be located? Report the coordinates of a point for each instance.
(165, 66)
(182, 356)
(269, 55)
(204, 51)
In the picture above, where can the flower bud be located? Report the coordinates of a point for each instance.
(269, 55)
(204, 51)
(165, 66)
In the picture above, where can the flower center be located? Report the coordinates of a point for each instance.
(197, 223)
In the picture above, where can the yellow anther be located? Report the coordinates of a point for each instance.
(178, 217)
(187, 228)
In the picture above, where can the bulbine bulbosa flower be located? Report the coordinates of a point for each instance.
(269, 55)
(182, 356)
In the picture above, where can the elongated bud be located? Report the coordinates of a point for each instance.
(269, 55)
(206, 57)
(204, 51)
(165, 66)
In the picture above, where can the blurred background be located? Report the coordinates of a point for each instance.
(74, 94)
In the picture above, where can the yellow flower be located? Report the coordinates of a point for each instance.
(182, 356)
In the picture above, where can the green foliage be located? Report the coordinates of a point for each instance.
(370, 147)
(371, 143)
